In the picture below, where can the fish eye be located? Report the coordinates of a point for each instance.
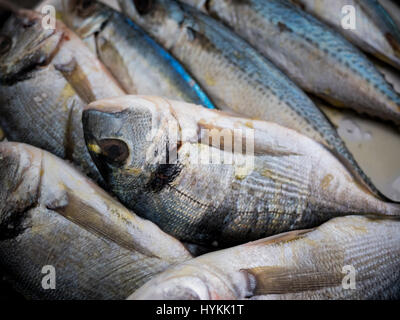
(5, 44)
(85, 8)
(114, 150)
(143, 6)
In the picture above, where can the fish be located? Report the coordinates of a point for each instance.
(209, 178)
(316, 57)
(136, 60)
(352, 257)
(375, 32)
(236, 77)
(393, 9)
(52, 217)
(47, 76)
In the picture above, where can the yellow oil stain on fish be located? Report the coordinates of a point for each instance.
(326, 181)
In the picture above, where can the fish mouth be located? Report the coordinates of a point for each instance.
(20, 56)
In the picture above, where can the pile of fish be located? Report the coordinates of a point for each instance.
(114, 122)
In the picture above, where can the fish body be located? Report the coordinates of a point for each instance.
(312, 54)
(46, 78)
(375, 32)
(137, 61)
(166, 161)
(393, 8)
(235, 76)
(345, 258)
(52, 215)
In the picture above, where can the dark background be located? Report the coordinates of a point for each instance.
(6, 291)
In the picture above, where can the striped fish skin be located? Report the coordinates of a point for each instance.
(237, 77)
(310, 264)
(50, 214)
(46, 78)
(290, 181)
(314, 56)
(393, 8)
(375, 32)
(138, 62)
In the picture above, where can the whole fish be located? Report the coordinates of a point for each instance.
(235, 75)
(139, 64)
(51, 216)
(313, 55)
(345, 258)
(209, 178)
(46, 78)
(375, 32)
(393, 8)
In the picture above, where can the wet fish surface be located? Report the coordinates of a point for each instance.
(236, 76)
(312, 54)
(150, 150)
(375, 31)
(137, 61)
(46, 78)
(393, 8)
(52, 215)
(308, 264)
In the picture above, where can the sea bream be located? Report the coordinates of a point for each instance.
(137, 61)
(236, 77)
(52, 216)
(346, 258)
(374, 31)
(46, 78)
(210, 178)
(313, 55)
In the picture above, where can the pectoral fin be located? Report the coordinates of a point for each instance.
(281, 280)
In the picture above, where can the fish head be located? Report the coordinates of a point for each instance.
(127, 138)
(162, 19)
(20, 170)
(187, 282)
(25, 45)
(85, 17)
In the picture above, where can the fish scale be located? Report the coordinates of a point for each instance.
(282, 186)
(236, 76)
(45, 82)
(50, 214)
(313, 55)
(305, 264)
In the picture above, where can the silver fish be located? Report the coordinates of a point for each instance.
(309, 264)
(46, 78)
(235, 75)
(51, 215)
(139, 64)
(150, 152)
(375, 32)
(393, 7)
(313, 55)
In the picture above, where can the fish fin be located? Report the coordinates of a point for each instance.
(272, 148)
(282, 280)
(91, 220)
(283, 237)
(74, 74)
